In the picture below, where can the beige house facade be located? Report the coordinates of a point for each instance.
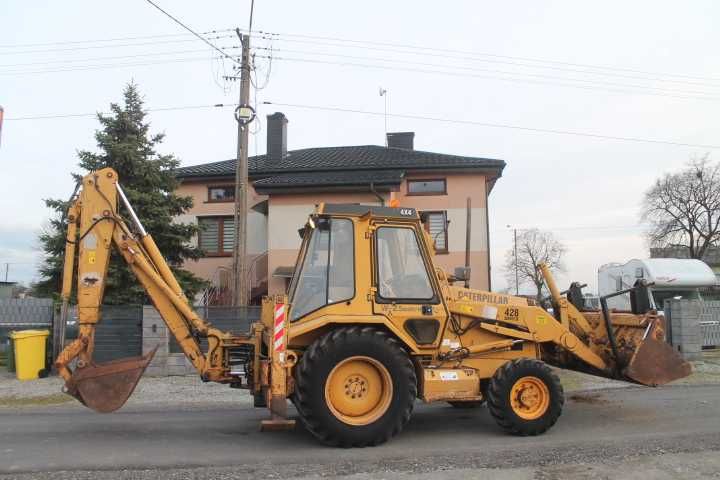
(288, 185)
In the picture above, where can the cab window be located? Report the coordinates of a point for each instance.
(401, 271)
(327, 272)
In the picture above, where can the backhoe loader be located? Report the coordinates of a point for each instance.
(368, 326)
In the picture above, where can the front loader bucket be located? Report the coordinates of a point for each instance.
(105, 387)
(655, 362)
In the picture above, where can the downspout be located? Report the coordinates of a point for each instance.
(372, 189)
(487, 234)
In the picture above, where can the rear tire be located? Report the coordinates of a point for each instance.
(525, 397)
(355, 387)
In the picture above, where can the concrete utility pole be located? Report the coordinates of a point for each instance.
(241, 289)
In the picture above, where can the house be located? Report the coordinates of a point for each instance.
(288, 184)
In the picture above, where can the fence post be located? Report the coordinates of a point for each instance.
(154, 333)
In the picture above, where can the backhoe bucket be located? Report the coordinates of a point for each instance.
(105, 387)
(655, 362)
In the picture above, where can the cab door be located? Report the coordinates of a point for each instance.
(405, 288)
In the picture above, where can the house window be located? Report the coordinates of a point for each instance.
(436, 225)
(436, 186)
(216, 235)
(223, 193)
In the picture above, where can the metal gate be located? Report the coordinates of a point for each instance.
(119, 333)
(710, 331)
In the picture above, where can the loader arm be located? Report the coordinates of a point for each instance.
(95, 227)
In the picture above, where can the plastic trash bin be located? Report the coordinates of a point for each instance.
(29, 346)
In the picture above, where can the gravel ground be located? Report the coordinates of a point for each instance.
(181, 390)
(190, 390)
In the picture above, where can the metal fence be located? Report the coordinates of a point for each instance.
(24, 314)
(236, 320)
(710, 324)
(117, 335)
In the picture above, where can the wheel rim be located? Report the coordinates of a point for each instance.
(358, 390)
(529, 398)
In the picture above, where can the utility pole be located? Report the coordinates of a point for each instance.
(241, 291)
(7, 270)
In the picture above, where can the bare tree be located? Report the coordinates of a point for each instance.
(683, 209)
(533, 248)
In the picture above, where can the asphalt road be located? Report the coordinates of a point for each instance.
(600, 431)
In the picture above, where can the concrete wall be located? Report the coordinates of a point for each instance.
(155, 333)
(683, 325)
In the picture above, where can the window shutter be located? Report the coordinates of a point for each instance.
(209, 232)
(436, 225)
(228, 234)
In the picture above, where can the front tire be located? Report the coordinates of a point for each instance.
(355, 387)
(525, 397)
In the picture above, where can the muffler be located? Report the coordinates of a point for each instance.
(105, 387)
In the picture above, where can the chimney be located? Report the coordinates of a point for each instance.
(400, 140)
(276, 136)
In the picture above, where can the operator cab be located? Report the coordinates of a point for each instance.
(347, 249)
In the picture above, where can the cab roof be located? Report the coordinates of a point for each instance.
(357, 210)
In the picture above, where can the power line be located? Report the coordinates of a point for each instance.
(109, 66)
(495, 125)
(586, 227)
(190, 30)
(465, 52)
(472, 75)
(89, 47)
(95, 114)
(105, 40)
(113, 57)
(505, 62)
(473, 69)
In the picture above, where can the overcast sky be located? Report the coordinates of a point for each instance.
(519, 63)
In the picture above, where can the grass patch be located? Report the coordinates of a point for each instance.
(53, 399)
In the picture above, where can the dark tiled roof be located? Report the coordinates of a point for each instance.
(330, 178)
(365, 157)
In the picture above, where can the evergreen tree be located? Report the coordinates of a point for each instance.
(148, 179)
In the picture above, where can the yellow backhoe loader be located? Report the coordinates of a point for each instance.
(368, 326)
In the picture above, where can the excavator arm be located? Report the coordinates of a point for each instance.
(94, 228)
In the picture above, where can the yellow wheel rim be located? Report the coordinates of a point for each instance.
(529, 398)
(358, 390)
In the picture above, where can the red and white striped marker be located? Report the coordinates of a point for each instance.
(279, 336)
